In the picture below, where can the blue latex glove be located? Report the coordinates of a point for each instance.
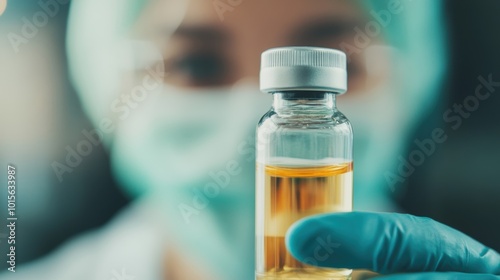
(391, 243)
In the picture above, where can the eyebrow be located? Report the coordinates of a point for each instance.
(324, 29)
(202, 33)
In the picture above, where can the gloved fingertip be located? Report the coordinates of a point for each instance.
(297, 236)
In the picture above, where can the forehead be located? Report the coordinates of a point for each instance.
(265, 11)
(241, 18)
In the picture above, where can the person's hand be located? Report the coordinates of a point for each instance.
(409, 247)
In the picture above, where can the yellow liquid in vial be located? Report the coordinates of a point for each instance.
(289, 194)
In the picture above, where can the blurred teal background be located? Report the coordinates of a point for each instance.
(40, 115)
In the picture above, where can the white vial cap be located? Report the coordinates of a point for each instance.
(303, 68)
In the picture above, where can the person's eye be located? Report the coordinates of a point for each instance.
(196, 70)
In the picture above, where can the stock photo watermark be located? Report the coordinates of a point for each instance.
(201, 198)
(219, 180)
(31, 25)
(324, 250)
(11, 216)
(224, 6)
(122, 106)
(454, 117)
(372, 29)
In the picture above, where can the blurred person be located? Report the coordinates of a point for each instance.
(171, 87)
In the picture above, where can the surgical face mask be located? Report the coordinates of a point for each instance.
(177, 137)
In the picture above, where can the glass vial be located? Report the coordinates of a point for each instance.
(304, 155)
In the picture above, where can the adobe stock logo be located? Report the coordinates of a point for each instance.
(3, 6)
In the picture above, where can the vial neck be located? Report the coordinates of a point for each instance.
(304, 102)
